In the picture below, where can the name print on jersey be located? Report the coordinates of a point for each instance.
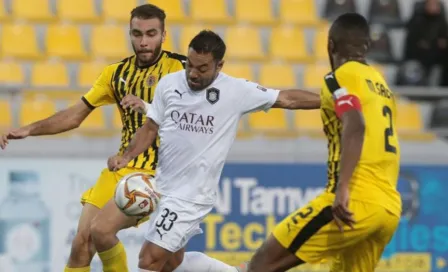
(193, 122)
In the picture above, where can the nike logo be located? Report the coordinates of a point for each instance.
(180, 94)
(122, 80)
(161, 235)
(346, 101)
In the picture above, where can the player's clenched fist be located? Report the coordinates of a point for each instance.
(14, 134)
(117, 162)
(133, 102)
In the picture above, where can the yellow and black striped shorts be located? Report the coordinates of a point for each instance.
(311, 235)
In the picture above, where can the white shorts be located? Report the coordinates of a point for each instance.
(174, 222)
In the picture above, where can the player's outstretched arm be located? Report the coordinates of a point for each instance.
(297, 100)
(142, 140)
(61, 121)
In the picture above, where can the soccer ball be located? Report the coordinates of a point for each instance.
(135, 195)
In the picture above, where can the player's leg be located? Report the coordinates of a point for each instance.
(82, 250)
(104, 228)
(272, 256)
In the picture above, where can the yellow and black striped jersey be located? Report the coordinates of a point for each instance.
(126, 77)
(376, 175)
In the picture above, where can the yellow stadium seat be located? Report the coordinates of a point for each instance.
(320, 43)
(116, 120)
(302, 12)
(254, 11)
(274, 119)
(64, 41)
(6, 116)
(77, 11)
(277, 76)
(210, 11)
(288, 43)
(168, 44)
(409, 117)
(95, 121)
(109, 42)
(314, 75)
(19, 41)
(35, 109)
(49, 74)
(187, 34)
(240, 70)
(173, 9)
(244, 43)
(11, 73)
(32, 10)
(118, 10)
(89, 71)
(308, 121)
(4, 15)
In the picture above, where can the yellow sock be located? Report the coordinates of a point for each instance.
(82, 269)
(114, 259)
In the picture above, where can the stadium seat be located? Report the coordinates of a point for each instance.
(207, 11)
(334, 8)
(82, 11)
(32, 10)
(244, 43)
(36, 108)
(288, 43)
(273, 120)
(187, 33)
(4, 15)
(109, 42)
(49, 74)
(173, 8)
(254, 12)
(94, 122)
(11, 73)
(239, 70)
(385, 13)
(88, 72)
(64, 41)
(168, 44)
(320, 43)
(314, 75)
(117, 124)
(380, 50)
(19, 41)
(277, 76)
(118, 10)
(409, 118)
(301, 12)
(6, 116)
(308, 122)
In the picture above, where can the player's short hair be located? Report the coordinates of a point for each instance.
(350, 28)
(149, 11)
(208, 41)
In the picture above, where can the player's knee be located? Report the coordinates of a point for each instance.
(82, 248)
(100, 231)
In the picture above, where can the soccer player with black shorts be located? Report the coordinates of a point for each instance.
(354, 219)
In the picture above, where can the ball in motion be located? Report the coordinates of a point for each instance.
(135, 195)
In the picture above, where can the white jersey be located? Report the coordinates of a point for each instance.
(197, 129)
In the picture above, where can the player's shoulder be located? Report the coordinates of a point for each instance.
(112, 67)
(172, 78)
(175, 57)
(350, 68)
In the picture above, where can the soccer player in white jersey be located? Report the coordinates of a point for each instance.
(196, 113)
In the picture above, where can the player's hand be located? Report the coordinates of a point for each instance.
(133, 102)
(342, 215)
(14, 134)
(117, 162)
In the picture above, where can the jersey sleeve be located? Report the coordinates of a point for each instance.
(156, 110)
(101, 92)
(254, 97)
(346, 91)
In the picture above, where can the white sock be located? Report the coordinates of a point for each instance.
(199, 262)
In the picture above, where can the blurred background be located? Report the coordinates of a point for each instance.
(51, 51)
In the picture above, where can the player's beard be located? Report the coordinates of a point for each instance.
(155, 55)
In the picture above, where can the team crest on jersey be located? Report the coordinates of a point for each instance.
(151, 81)
(212, 95)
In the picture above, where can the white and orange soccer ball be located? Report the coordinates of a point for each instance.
(135, 195)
